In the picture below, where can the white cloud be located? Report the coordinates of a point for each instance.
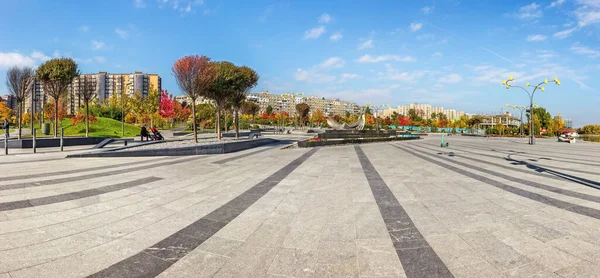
(333, 62)
(450, 79)
(324, 18)
(530, 11)
(489, 74)
(546, 54)
(366, 44)
(584, 50)
(393, 74)
(383, 58)
(265, 14)
(84, 28)
(536, 38)
(99, 59)
(139, 3)
(588, 15)
(416, 26)
(312, 76)
(122, 33)
(96, 59)
(314, 32)
(96, 45)
(428, 10)
(336, 36)
(349, 75)
(437, 54)
(9, 59)
(556, 3)
(564, 34)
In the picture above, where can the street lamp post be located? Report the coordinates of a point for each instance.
(530, 94)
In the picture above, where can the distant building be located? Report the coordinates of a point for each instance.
(10, 101)
(424, 111)
(109, 85)
(185, 99)
(568, 123)
(288, 102)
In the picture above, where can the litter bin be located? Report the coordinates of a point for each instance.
(46, 129)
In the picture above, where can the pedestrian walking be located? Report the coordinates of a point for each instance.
(6, 127)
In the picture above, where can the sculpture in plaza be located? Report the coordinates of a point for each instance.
(357, 125)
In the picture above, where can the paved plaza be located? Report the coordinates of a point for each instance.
(483, 207)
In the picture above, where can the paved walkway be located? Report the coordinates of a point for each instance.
(480, 208)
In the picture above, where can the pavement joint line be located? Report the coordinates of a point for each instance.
(91, 176)
(504, 158)
(73, 195)
(586, 211)
(229, 159)
(522, 147)
(166, 252)
(550, 188)
(416, 255)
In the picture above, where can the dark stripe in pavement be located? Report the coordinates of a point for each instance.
(95, 175)
(453, 146)
(566, 192)
(594, 213)
(30, 161)
(417, 257)
(74, 195)
(74, 171)
(157, 258)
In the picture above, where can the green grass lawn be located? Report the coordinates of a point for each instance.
(105, 127)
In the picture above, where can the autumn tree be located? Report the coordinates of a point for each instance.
(19, 82)
(182, 113)
(318, 115)
(222, 88)
(87, 91)
(56, 75)
(5, 111)
(302, 109)
(194, 75)
(269, 110)
(167, 107)
(246, 79)
(250, 108)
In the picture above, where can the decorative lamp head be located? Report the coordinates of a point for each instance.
(556, 81)
(542, 89)
(507, 86)
(545, 80)
(527, 84)
(511, 78)
(503, 82)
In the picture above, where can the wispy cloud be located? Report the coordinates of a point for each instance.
(84, 28)
(384, 58)
(416, 26)
(96, 45)
(333, 62)
(451, 79)
(530, 11)
(427, 10)
(139, 4)
(265, 14)
(324, 18)
(365, 45)
(122, 33)
(564, 34)
(314, 32)
(584, 50)
(336, 36)
(437, 54)
(9, 59)
(556, 3)
(536, 38)
(392, 74)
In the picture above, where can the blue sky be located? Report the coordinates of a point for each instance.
(452, 53)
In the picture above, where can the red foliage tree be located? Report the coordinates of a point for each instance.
(166, 108)
(181, 113)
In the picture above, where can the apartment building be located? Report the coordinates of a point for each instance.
(424, 111)
(288, 102)
(108, 85)
(10, 101)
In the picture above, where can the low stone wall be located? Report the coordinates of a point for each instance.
(307, 144)
(219, 148)
(51, 142)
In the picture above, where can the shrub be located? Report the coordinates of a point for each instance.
(81, 118)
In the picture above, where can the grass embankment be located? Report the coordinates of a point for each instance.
(105, 127)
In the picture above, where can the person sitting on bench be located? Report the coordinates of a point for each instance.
(157, 135)
(144, 133)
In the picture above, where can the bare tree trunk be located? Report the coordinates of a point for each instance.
(218, 124)
(55, 117)
(237, 124)
(194, 121)
(87, 119)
